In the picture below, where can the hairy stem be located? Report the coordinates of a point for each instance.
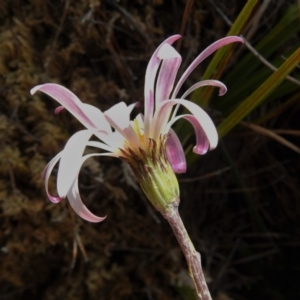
(192, 256)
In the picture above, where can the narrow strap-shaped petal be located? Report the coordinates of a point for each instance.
(97, 117)
(131, 106)
(78, 206)
(58, 109)
(217, 83)
(119, 115)
(167, 73)
(74, 195)
(119, 118)
(100, 145)
(90, 116)
(160, 125)
(46, 175)
(115, 140)
(70, 161)
(208, 51)
(106, 138)
(138, 121)
(202, 141)
(150, 77)
(175, 153)
(148, 111)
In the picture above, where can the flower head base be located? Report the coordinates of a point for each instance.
(147, 143)
(154, 172)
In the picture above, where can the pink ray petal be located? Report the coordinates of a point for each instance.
(118, 115)
(70, 161)
(200, 115)
(100, 146)
(217, 83)
(202, 141)
(97, 117)
(69, 101)
(115, 140)
(148, 110)
(150, 77)
(208, 51)
(46, 175)
(119, 118)
(73, 194)
(175, 153)
(58, 109)
(78, 206)
(167, 73)
(132, 106)
(105, 137)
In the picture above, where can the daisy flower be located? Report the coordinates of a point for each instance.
(147, 143)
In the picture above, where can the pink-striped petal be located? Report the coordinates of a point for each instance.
(119, 115)
(115, 140)
(58, 109)
(200, 115)
(78, 206)
(119, 118)
(208, 51)
(150, 77)
(167, 73)
(105, 137)
(74, 195)
(148, 111)
(97, 117)
(202, 141)
(100, 145)
(132, 106)
(46, 175)
(217, 83)
(70, 161)
(175, 153)
(68, 100)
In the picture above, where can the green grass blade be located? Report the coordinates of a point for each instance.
(274, 40)
(202, 96)
(277, 111)
(240, 91)
(259, 95)
(253, 211)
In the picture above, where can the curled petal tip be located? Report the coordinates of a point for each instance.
(58, 109)
(102, 218)
(179, 169)
(54, 199)
(200, 150)
(93, 218)
(88, 216)
(167, 52)
(34, 89)
(175, 153)
(174, 37)
(78, 206)
(242, 40)
(222, 91)
(234, 38)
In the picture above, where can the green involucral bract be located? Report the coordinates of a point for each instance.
(154, 173)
